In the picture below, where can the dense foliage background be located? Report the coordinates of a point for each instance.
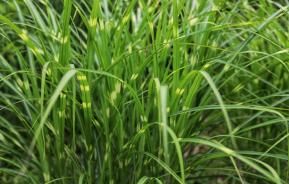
(144, 91)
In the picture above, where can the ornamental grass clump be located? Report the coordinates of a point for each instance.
(171, 91)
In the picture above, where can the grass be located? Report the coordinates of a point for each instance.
(172, 91)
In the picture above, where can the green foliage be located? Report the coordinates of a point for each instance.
(171, 91)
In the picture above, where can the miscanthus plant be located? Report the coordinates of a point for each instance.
(144, 91)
